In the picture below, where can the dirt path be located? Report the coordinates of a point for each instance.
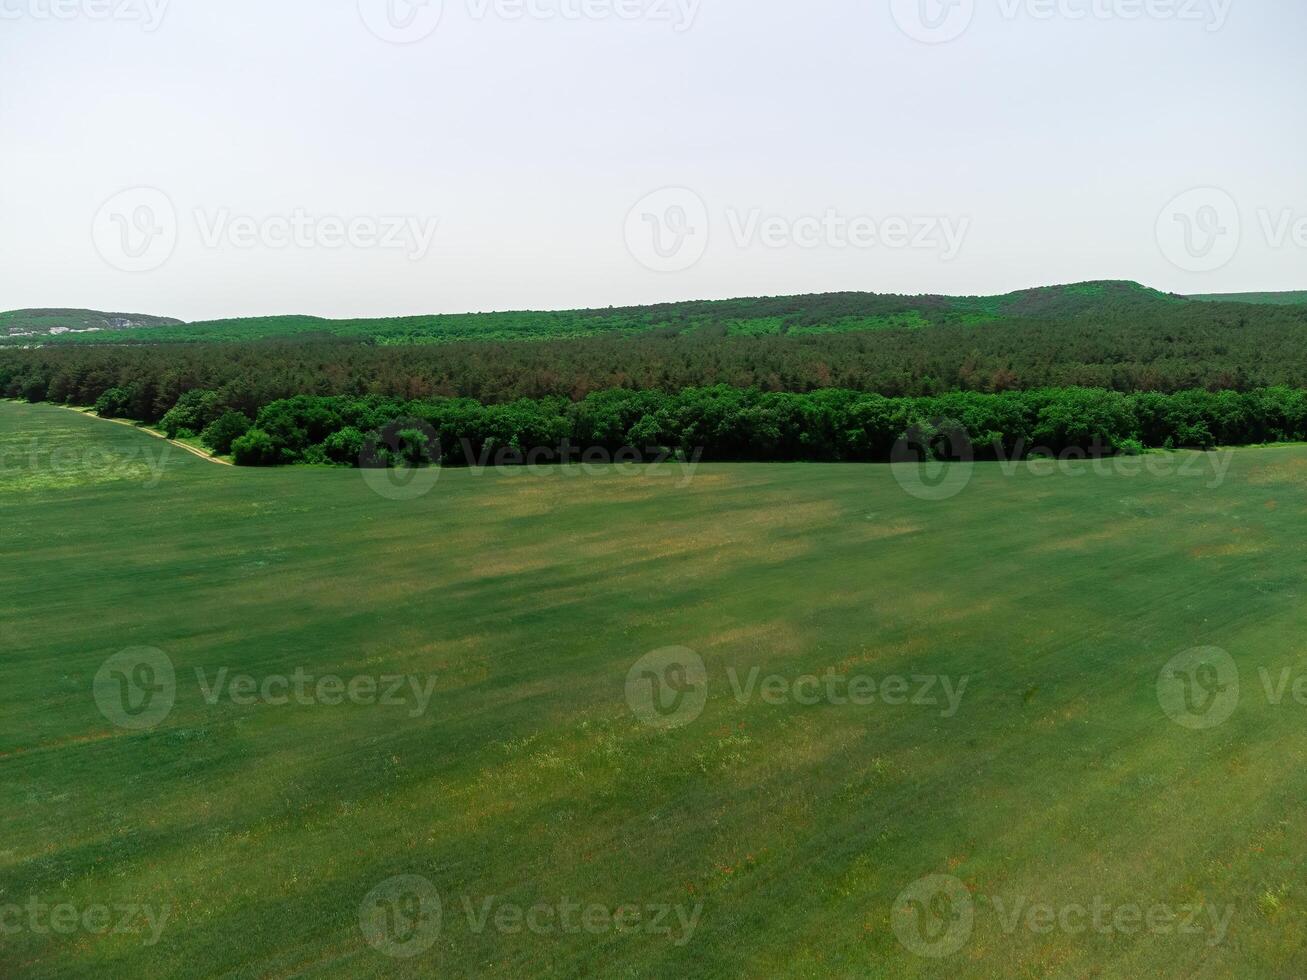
(90, 414)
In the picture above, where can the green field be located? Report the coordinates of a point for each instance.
(784, 833)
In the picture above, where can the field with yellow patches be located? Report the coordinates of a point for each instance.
(527, 778)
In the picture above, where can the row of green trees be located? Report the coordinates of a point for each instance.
(726, 423)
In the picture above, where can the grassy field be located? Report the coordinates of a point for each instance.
(521, 808)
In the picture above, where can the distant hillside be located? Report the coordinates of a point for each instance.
(1265, 299)
(46, 323)
(762, 316)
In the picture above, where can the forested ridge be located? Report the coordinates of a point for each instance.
(1022, 355)
(771, 315)
(1193, 345)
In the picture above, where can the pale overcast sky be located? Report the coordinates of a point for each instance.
(206, 158)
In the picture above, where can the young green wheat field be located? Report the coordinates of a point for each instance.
(761, 721)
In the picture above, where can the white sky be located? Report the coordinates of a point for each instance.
(1049, 137)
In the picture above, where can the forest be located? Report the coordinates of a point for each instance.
(1123, 368)
(1206, 348)
(723, 423)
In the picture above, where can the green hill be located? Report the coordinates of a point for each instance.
(1267, 299)
(43, 323)
(758, 316)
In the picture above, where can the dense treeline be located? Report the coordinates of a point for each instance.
(1196, 345)
(725, 423)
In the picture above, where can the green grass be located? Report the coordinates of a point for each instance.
(529, 597)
